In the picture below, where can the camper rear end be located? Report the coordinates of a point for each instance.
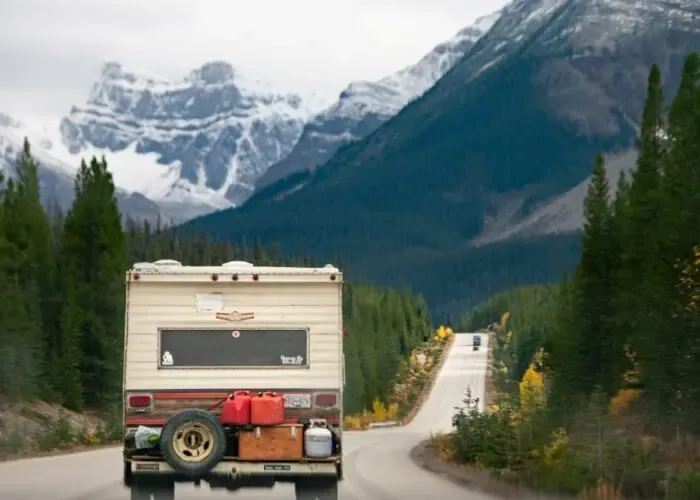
(196, 335)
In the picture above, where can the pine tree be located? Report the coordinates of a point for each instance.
(94, 260)
(17, 359)
(599, 346)
(26, 227)
(641, 252)
(41, 267)
(681, 219)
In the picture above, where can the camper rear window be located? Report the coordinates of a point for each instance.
(232, 348)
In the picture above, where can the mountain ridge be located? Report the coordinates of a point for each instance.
(202, 142)
(364, 106)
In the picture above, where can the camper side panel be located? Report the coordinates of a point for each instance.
(161, 314)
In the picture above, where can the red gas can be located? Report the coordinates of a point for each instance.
(267, 409)
(236, 410)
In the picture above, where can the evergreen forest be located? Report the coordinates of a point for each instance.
(598, 378)
(62, 296)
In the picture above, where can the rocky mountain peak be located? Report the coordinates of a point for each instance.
(202, 140)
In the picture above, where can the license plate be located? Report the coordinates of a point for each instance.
(147, 467)
(297, 400)
(278, 467)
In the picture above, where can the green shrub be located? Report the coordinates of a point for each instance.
(57, 434)
(482, 439)
(569, 475)
(685, 485)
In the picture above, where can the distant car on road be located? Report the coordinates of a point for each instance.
(477, 342)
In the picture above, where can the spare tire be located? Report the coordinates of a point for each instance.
(193, 442)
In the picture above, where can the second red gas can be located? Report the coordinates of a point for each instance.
(267, 409)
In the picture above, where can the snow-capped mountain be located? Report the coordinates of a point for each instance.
(56, 178)
(198, 144)
(202, 143)
(364, 106)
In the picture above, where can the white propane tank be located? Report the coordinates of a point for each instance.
(318, 440)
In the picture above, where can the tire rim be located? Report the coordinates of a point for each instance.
(193, 442)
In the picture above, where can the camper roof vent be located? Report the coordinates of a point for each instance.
(144, 266)
(237, 264)
(167, 263)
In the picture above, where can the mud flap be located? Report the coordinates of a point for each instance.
(127, 474)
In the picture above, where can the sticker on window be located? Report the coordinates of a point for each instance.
(167, 359)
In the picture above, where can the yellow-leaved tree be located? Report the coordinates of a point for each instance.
(532, 385)
(504, 321)
(379, 410)
(441, 333)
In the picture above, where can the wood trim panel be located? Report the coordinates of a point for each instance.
(166, 404)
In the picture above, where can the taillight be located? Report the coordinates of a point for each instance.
(139, 401)
(326, 399)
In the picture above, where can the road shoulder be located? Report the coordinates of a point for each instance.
(428, 389)
(425, 455)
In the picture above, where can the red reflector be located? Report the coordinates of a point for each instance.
(139, 401)
(345, 332)
(326, 399)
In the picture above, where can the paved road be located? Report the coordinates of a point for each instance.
(377, 464)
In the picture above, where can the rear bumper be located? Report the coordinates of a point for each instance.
(232, 469)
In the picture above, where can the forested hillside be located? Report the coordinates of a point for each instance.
(609, 403)
(62, 297)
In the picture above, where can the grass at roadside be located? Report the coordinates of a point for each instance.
(36, 429)
(412, 384)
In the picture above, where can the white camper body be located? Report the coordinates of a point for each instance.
(164, 297)
(195, 335)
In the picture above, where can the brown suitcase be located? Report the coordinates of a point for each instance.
(279, 442)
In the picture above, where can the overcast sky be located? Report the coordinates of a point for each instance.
(51, 50)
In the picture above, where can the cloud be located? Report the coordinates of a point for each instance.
(51, 50)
